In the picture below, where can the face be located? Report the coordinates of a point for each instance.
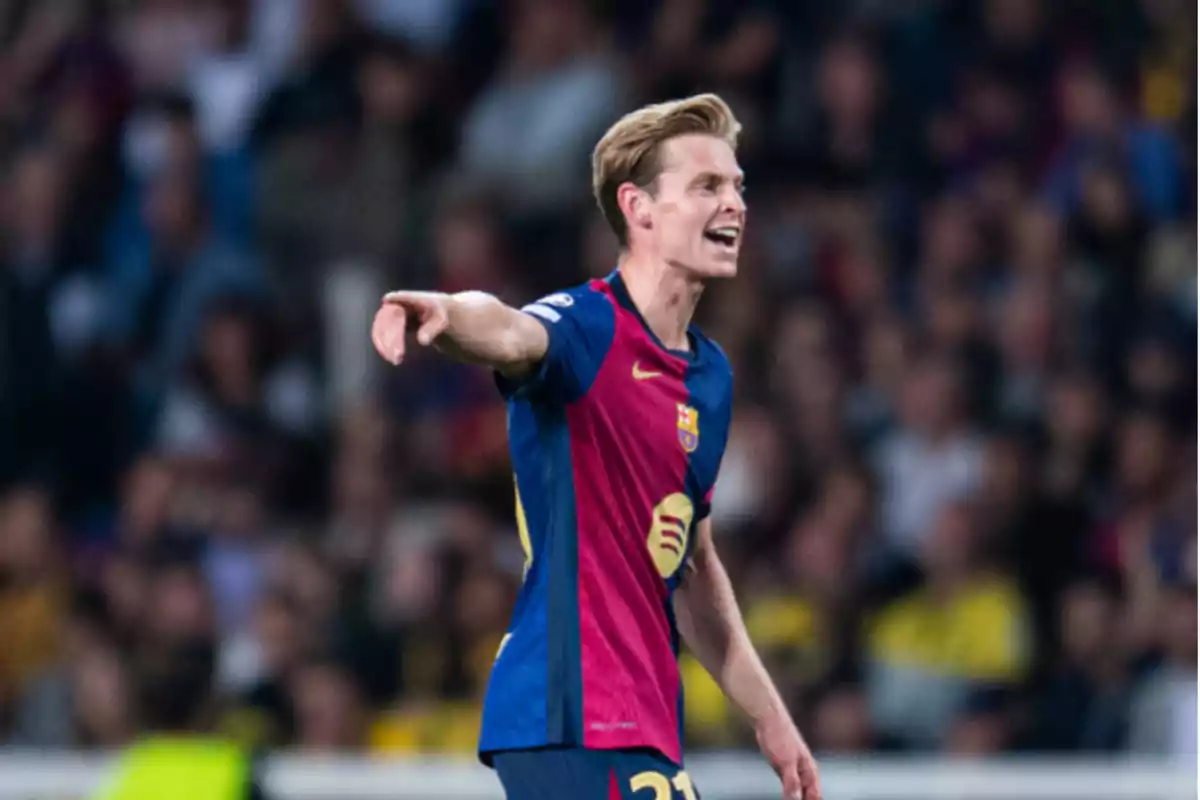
(482, 603)
(1026, 332)
(1076, 412)
(1003, 479)
(1013, 20)
(126, 588)
(227, 343)
(148, 493)
(1087, 100)
(1179, 627)
(817, 555)
(102, 697)
(885, 354)
(361, 490)
(846, 497)
(278, 629)
(1037, 241)
(696, 217)
(468, 249)
(1106, 201)
(848, 82)
(412, 583)
(1153, 369)
(951, 241)
(1086, 617)
(843, 722)
(26, 534)
(950, 547)
(952, 318)
(327, 709)
(180, 606)
(36, 196)
(1143, 454)
(930, 397)
(389, 88)
(171, 208)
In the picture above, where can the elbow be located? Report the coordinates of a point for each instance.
(521, 341)
(511, 346)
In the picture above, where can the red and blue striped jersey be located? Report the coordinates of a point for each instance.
(616, 442)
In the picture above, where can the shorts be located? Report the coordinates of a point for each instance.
(557, 773)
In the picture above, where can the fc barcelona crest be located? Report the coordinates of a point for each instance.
(688, 424)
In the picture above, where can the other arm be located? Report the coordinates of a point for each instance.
(711, 624)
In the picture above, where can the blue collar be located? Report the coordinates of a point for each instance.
(621, 293)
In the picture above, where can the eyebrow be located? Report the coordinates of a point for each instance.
(738, 178)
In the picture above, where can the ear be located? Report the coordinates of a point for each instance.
(634, 204)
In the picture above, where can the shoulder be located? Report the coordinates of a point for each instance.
(994, 598)
(585, 303)
(712, 357)
(709, 352)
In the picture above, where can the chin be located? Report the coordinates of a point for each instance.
(712, 269)
(719, 268)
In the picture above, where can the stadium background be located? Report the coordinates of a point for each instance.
(959, 500)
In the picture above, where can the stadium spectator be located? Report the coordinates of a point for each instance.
(33, 602)
(931, 460)
(962, 634)
(1161, 722)
(531, 130)
(1082, 701)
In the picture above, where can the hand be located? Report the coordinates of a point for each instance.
(428, 312)
(786, 751)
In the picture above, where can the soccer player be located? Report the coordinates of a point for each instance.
(618, 415)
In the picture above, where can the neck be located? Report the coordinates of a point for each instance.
(945, 586)
(664, 295)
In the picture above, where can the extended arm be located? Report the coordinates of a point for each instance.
(474, 327)
(711, 625)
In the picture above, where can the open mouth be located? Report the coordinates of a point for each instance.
(726, 236)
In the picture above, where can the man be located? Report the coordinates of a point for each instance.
(618, 416)
(175, 759)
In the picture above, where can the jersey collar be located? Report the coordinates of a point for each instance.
(621, 295)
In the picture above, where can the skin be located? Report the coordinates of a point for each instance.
(665, 267)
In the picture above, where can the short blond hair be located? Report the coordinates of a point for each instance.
(629, 151)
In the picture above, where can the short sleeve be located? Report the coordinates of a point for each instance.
(704, 509)
(580, 324)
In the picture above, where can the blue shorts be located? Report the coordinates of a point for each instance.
(557, 773)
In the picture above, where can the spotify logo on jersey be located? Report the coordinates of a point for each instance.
(668, 537)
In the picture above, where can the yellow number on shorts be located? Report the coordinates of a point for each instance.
(683, 782)
(669, 529)
(652, 780)
(662, 786)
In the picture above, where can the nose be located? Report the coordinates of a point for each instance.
(733, 201)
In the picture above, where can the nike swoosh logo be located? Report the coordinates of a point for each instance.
(641, 375)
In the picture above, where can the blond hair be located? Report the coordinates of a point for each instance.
(630, 150)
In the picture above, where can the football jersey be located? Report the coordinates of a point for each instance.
(616, 441)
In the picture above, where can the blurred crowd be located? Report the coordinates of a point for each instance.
(959, 498)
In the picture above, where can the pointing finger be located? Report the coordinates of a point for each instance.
(404, 297)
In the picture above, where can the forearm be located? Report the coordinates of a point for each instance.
(482, 330)
(711, 625)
